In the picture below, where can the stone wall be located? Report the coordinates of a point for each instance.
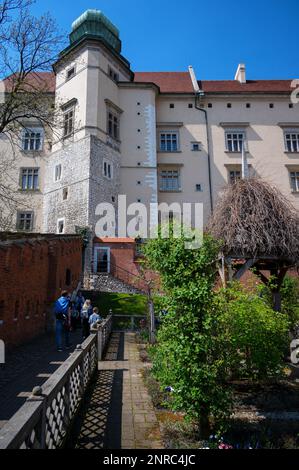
(33, 271)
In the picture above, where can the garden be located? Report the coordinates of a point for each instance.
(220, 373)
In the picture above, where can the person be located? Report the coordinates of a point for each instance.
(74, 316)
(62, 316)
(95, 317)
(86, 313)
(79, 302)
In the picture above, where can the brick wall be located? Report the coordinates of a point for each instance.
(33, 271)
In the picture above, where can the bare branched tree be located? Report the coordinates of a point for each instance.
(28, 48)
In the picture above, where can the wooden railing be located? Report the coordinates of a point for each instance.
(44, 421)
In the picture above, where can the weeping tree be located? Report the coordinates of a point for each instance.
(259, 229)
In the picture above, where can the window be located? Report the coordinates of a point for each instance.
(70, 73)
(107, 170)
(229, 105)
(65, 194)
(171, 106)
(113, 124)
(234, 175)
(68, 120)
(170, 180)
(234, 141)
(271, 105)
(291, 106)
(58, 173)
(60, 226)
(248, 105)
(169, 141)
(198, 188)
(210, 105)
(294, 175)
(292, 141)
(195, 146)
(25, 221)
(33, 140)
(190, 105)
(112, 74)
(29, 179)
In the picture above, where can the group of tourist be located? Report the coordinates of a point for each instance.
(71, 313)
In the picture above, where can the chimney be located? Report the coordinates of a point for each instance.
(241, 73)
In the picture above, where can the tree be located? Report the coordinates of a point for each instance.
(28, 46)
(207, 337)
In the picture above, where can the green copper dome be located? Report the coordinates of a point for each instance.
(94, 23)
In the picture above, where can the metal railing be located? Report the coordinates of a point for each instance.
(128, 322)
(44, 421)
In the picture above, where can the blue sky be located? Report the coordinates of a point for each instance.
(213, 36)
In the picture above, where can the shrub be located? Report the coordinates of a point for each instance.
(255, 336)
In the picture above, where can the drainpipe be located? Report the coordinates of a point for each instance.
(198, 94)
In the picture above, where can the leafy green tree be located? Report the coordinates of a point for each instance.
(209, 337)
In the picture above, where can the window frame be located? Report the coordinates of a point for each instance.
(171, 133)
(33, 170)
(108, 164)
(33, 130)
(113, 74)
(233, 140)
(296, 180)
(115, 121)
(62, 219)
(66, 121)
(234, 175)
(69, 69)
(291, 132)
(25, 213)
(166, 188)
(56, 166)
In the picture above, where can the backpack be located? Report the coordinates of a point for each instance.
(61, 308)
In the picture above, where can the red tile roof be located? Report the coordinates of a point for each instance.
(176, 82)
(168, 82)
(43, 81)
(180, 82)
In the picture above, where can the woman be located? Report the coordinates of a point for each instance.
(86, 313)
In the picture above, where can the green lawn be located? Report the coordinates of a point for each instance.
(121, 304)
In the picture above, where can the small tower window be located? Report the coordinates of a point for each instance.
(65, 194)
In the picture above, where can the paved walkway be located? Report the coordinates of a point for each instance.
(26, 367)
(118, 412)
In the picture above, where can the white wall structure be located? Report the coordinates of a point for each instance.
(154, 136)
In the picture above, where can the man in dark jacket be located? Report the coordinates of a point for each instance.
(62, 315)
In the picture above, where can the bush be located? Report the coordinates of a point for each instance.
(255, 336)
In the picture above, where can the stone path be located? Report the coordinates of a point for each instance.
(26, 367)
(118, 412)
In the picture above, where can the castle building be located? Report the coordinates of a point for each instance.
(155, 137)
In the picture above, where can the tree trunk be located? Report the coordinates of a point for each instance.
(204, 424)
